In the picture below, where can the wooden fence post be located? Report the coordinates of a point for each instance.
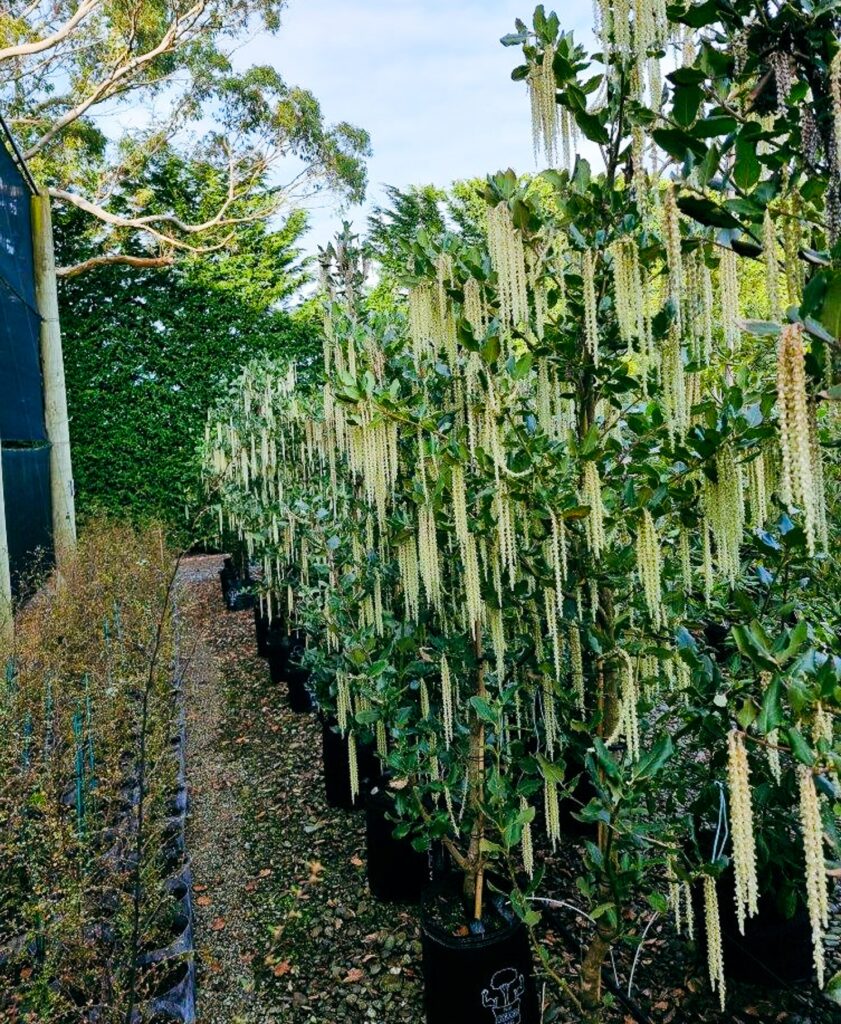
(52, 368)
(7, 622)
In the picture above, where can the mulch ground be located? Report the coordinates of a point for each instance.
(286, 930)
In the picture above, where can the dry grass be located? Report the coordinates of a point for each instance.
(89, 645)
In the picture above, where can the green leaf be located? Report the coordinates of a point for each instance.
(687, 101)
(523, 366)
(605, 759)
(483, 710)
(799, 747)
(796, 638)
(771, 713)
(833, 989)
(747, 169)
(714, 127)
(705, 211)
(830, 315)
(679, 144)
(591, 127)
(653, 761)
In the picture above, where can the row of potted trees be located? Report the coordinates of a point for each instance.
(95, 910)
(554, 526)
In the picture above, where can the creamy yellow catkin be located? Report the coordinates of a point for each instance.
(592, 495)
(545, 119)
(526, 841)
(447, 701)
(670, 228)
(591, 320)
(797, 483)
(741, 828)
(817, 890)
(715, 956)
(649, 568)
(505, 246)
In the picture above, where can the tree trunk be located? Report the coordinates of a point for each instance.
(591, 973)
(52, 369)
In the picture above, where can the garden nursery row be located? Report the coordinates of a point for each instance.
(541, 552)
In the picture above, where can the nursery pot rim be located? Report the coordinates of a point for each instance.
(438, 934)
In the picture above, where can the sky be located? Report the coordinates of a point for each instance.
(428, 79)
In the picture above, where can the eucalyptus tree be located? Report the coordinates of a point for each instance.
(64, 67)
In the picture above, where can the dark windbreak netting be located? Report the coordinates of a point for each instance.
(21, 401)
(26, 490)
(21, 396)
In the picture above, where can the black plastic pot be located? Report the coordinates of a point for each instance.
(282, 669)
(337, 768)
(261, 630)
(775, 951)
(174, 996)
(397, 872)
(476, 979)
(297, 684)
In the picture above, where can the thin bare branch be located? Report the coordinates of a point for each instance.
(51, 41)
(147, 262)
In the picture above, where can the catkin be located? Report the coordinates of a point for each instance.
(526, 841)
(592, 494)
(741, 828)
(649, 568)
(505, 245)
(817, 890)
(715, 956)
(591, 322)
(544, 108)
(447, 701)
(795, 431)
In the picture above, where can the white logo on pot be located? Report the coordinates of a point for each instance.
(504, 996)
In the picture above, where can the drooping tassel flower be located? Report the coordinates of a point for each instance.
(628, 720)
(447, 700)
(545, 121)
(729, 275)
(526, 841)
(592, 494)
(649, 568)
(715, 955)
(741, 828)
(591, 322)
(772, 267)
(671, 236)
(505, 245)
(724, 506)
(817, 890)
(797, 482)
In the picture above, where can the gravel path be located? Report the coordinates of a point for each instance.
(286, 931)
(215, 834)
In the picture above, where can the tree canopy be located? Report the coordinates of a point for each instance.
(168, 186)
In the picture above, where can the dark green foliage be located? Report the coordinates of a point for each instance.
(146, 354)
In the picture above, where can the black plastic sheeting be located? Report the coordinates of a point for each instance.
(21, 391)
(26, 491)
(21, 398)
(16, 265)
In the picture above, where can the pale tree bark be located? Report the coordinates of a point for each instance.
(7, 627)
(51, 41)
(55, 396)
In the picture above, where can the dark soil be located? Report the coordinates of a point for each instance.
(286, 929)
